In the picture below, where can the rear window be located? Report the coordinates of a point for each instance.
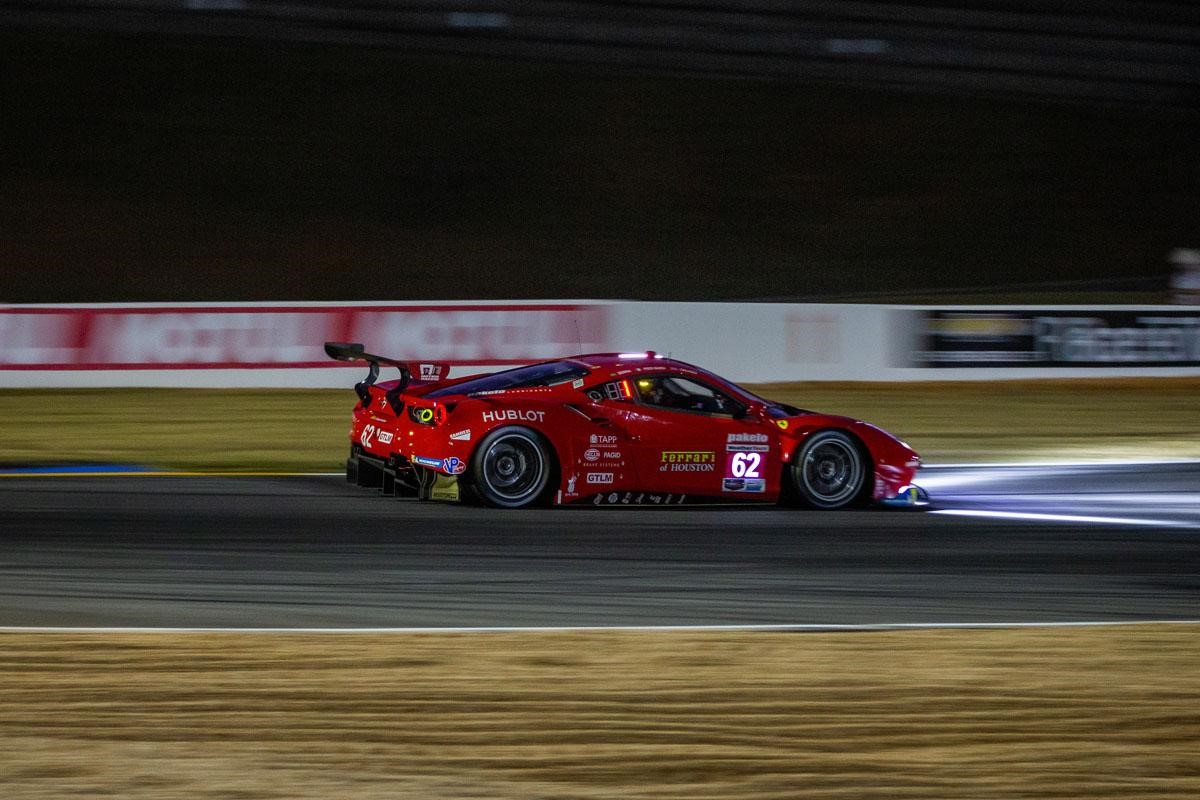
(548, 374)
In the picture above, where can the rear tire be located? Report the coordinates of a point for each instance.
(511, 468)
(830, 471)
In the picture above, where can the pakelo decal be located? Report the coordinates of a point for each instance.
(747, 438)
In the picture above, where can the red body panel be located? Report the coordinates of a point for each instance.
(620, 450)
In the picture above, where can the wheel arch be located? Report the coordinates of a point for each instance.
(789, 494)
(553, 466)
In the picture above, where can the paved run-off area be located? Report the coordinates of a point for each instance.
(1082, 712)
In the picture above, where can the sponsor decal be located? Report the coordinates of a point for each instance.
(385, 437)
(688, 461)
(688, 457)
(599, 477)
(748, 438)
(591, 454)
(454, 465)
(639, 499)
(577, 383)
(430, 372)
(782, 423)
(602, 440)
(612, 455)
(462, 436)
(367, 435)
(747, 448)
(425, 461)
(571, 484)
(510, 414)
(744, 485)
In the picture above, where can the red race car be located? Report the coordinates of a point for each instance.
(610, 429)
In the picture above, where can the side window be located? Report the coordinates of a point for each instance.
(684, 394)
(613, 390)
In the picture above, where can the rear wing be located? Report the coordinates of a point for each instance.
(427, 372)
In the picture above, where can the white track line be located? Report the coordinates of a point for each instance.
(1032, 516)
(781, 628)
(1110, 462)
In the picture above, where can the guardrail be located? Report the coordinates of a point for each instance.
(280, 344)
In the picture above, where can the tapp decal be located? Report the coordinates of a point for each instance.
(602, 440)
(513, 415)
(688, 461)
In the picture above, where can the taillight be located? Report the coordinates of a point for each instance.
(422, 415)
(427, 415)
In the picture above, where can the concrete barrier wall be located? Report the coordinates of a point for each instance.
(280, 344)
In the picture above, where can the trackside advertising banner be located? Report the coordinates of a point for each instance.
(281, 345)
(281, 337)
(1074, 338)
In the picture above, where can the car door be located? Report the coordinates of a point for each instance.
(694, 439)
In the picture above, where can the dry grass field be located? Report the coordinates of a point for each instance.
(1018, 713)
(306, 430)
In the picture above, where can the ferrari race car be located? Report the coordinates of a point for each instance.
(610, 429)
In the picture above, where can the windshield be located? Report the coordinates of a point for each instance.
(548, 374)
(774, 408)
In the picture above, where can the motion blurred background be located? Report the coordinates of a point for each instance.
(1006, 151)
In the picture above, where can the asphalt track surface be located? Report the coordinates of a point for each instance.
(1073, 544)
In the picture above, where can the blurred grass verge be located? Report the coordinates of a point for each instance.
(1017, 713)
(306, 430)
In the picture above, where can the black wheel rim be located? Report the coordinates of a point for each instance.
(513, 467)
(832, 471)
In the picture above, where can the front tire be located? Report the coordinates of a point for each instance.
(511, 468)
(830, 470)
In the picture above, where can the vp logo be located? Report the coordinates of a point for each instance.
(367, 435)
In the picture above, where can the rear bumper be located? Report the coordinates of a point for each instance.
(397, 477)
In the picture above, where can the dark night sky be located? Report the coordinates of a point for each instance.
(150, 168)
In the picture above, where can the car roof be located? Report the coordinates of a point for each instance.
(613, 364)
